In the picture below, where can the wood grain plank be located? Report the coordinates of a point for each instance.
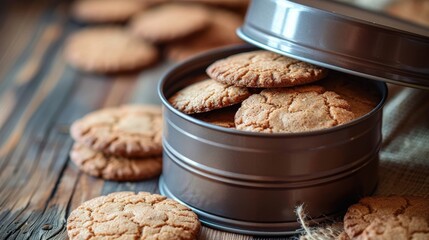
(13, 96)
(24, 77)
(208, 234)
(22, 23)
(26, 179)
(49, 35)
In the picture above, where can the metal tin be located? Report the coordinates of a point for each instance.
(250, 182)
(341, 37)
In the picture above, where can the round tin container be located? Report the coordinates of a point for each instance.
(250, 183)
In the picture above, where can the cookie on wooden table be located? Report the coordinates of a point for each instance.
(114, 168)
(129, 215)
(106, 11)
(129, 131)
(108, 49)
(264, 69)
(288, 110)
(207, 95)
(220, 32)
(393, 217)
(169, 22)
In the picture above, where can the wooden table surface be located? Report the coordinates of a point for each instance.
(40, 96)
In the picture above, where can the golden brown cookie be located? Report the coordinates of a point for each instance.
(114, 168)
(220, 32)
(394, 217)
(128, 131)
(223, 117)
(105, 11)
(129, 215)
(207, 95)
(108, 49)
(264, 69)
(287, 110)
(361, 97)
(169, 22)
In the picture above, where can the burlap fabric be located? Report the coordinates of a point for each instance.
(404, 156)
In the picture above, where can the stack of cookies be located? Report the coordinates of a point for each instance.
(120, 144)
(276, 93)
(136, 30)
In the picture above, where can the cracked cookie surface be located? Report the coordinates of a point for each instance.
(287, 110)
(115, 168)
(129, 215)
(107, 50)
(127, 131)
(394, 217)
(264, 69)
(362, 97)
(207, 95)
(169, 22)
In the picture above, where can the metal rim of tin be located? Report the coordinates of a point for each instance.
(182, 70)
(316, 31)
(208, 56)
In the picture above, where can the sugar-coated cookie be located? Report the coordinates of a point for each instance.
(207, 95)
(288, 110)
(264, 69)
(129, 215)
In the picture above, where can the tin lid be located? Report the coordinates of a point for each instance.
(341, 37)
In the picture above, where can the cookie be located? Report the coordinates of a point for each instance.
(108, 49)
(394, 217)
(106, 11)
(129, 131)
(221, 117)
(169, 22)
(287, 110)
(220, 32)
(114, 168)
(129, 215)
(264, 69)
(362, 97)
(207, 95)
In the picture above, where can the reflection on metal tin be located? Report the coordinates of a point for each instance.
(249, 182)
(341, 37)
